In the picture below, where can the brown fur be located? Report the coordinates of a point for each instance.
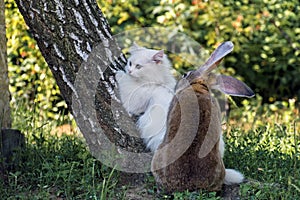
(189, 157)
(193, 124)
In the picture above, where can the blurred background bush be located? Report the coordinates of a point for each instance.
(266, 35)
(31, 81)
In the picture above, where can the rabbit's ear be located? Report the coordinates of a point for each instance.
(212, 62)
(233, 87)
(216, 57)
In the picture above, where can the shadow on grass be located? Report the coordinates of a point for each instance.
(54, 167)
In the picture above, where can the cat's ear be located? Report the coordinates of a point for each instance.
(158, 57)
(135, 47)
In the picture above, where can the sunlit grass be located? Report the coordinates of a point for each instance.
(263, 142)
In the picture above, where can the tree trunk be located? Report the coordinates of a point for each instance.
(76, 42)
(5, 120)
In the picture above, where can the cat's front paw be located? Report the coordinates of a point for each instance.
(119, 75)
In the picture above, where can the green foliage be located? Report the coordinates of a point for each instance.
(30, 78)
(265, 34)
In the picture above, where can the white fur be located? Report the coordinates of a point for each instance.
(153, 122)
(233, 177)
(147, 90)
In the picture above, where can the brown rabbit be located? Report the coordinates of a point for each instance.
(191, 154)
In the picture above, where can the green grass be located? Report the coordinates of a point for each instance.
(57, 168)
(263, 142)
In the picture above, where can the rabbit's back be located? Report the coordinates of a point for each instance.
(189, 156)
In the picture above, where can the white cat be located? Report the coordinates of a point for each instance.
(146, 89)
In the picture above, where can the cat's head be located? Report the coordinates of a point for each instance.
(145, 62)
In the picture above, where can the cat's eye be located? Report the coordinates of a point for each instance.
(130, 63)
(138, 66)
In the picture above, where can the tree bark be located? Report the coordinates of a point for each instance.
(76, 42)
(5, 119)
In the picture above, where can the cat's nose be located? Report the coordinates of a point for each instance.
(127, 70)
